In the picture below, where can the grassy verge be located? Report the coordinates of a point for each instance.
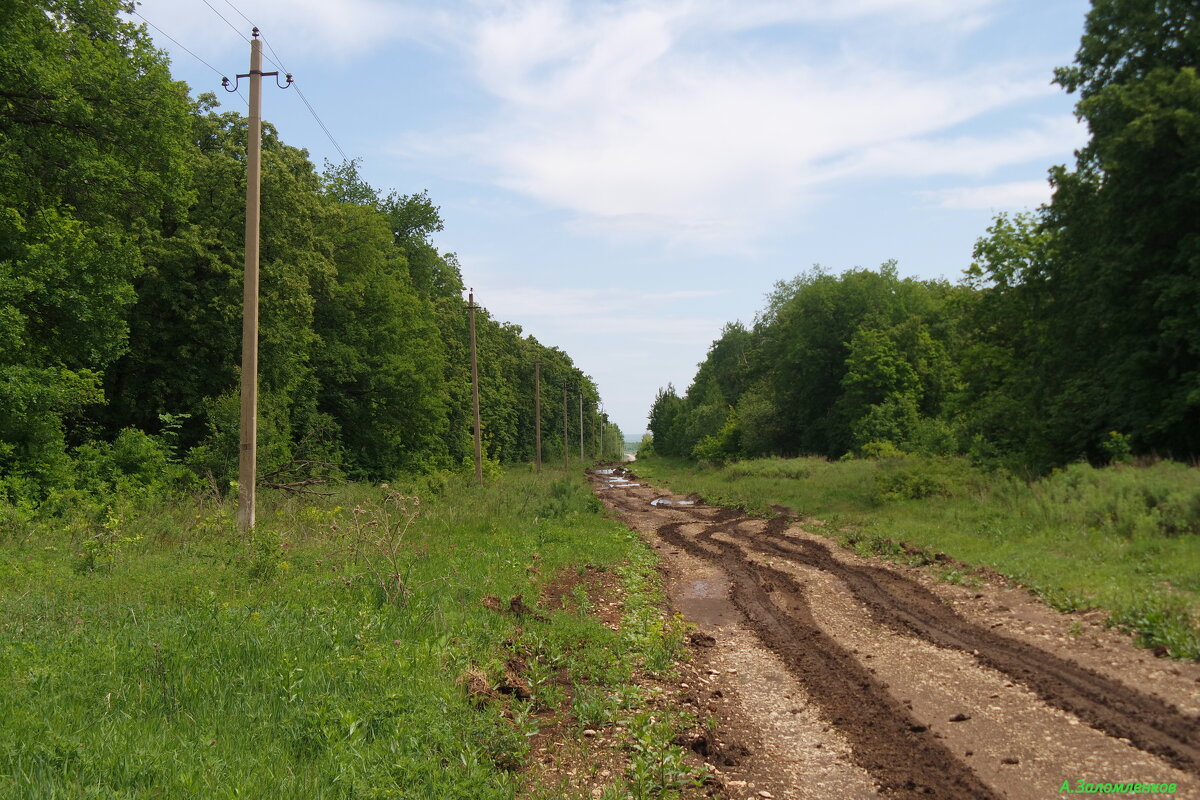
(1125, 539)
(150, 651)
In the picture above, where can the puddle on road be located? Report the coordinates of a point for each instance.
(662, 501)
(603, 471)
(706, 602)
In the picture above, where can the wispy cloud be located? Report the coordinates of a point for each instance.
(1011, 196)
(541, 303)
(297, 28)
(645, 119)
(667, 119)
(645, 316)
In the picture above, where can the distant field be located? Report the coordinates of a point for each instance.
(156, 652)
(1125, 539)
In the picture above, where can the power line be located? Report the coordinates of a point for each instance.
(278, 63)
(272, 49)
(313, 111)
(184, 48)
(227, 22)
(239, 12)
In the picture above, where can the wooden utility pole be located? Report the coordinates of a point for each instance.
(537, 412)
(475, 390)
(566, 452)
(247, 452)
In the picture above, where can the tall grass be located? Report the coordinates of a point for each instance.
(155, 652)
(1123, 538)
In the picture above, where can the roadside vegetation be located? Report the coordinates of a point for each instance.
(1017, 419)
(121, 253)
(363, 645)
(1071, 336)
(1125, 538)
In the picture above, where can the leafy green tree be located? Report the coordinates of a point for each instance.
(1098, 293)
(92, 140)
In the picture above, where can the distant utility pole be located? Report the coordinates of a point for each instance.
(247, 455)
(475, 390)
(581, 427)
(566, 452)
(603, 432)
(537, 411)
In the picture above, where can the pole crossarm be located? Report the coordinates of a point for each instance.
(255, 73)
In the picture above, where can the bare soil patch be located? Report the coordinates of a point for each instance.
(842, 675)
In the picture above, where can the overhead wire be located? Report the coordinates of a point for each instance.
(227, 22)
(278, 63)
(239, 12)
(186, 50)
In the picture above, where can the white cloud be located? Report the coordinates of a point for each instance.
(298, 29)
(960, 15)
(664, 119)
(628, 315)
(1012, 196)
(1043, 141)
(642, 120)
(542, 303)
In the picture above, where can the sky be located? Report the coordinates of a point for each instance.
(622, 178)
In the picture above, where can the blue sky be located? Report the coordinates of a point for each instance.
(622, 178)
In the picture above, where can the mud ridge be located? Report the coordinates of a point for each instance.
(1151, 724)
(903, 756)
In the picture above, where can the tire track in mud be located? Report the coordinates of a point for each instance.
(905, 606)
(885, 738)
(903, 756)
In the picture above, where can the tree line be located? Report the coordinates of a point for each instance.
(1075, 332)
(121, 252)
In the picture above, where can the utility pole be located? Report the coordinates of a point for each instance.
(566, 452)
(247, 453)
(581, 427)
(537, 411)
(603, 432)
(475, 390)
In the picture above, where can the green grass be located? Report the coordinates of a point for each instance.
(1125, 539)
(153, 652)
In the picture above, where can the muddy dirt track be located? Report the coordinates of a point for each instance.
(835, 675)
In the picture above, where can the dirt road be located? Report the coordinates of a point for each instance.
(828, 675)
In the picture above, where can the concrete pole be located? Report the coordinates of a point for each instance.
(475, 391)
(566, 452)
(247, 456)
(581, 427)
(537, 411)
(603, 433)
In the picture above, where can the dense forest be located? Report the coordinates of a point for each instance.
(1074, 334)
(121, 252)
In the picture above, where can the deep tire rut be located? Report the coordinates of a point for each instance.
(905, 606)
(904, 757)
